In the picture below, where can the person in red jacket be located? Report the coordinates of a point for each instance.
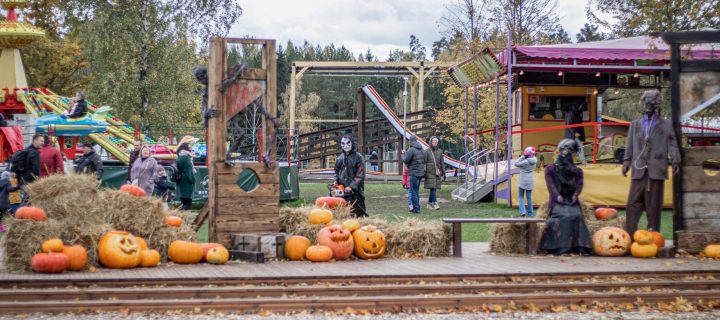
(51, 161)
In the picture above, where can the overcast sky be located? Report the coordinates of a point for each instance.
(378, 25)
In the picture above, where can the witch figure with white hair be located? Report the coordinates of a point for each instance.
(565, 231)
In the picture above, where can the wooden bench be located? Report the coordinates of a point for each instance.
(530, 247)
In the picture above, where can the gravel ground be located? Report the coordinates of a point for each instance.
(465, 316)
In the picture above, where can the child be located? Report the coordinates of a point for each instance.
(162, 187)
(526, 163)
(14, 194)
(5, 189)
(406, 185)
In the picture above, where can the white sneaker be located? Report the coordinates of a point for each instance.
(437, 206)
(430, 206)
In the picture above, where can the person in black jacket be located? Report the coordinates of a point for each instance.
(350, 172)
(414, 159)
(31, 169)
(90, 162)
(79, 109)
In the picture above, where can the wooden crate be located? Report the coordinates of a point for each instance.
(701, 201)
(271, 245)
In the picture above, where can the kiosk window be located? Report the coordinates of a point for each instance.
(544, 107)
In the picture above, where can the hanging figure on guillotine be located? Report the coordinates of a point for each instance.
(650, 142)
(350, 173)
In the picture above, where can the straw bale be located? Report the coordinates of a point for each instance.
(58, 186)
(161, 238)
(544, 211)
(412, 238)
(24, 238)
(137, 215)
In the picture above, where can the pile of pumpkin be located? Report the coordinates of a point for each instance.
(122, 250)
(616, 242)
(337, 242)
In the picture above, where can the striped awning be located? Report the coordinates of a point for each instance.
(480, 68)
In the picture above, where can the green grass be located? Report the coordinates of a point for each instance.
(387, 201)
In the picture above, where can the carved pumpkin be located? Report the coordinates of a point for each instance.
(351, 225)
(31, 213)
(77, 256)
(142, 243)
(295, 247)
(320, 216)
(185, 252)
(118, 250)
(149, 258)
(639, 250)
(207, 246)
(52, 245)
(330, 202)
(133, 190)
(712, 251)
(611, 242)
(339, 240)
(643, 237)
(369, 243)
(319, 253)
(49, 262)
(658, 239)
(605, 213)
(217, 255)
(173, 221)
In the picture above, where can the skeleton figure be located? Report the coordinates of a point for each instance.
(650, 142)
(201, 75)
(350, 172)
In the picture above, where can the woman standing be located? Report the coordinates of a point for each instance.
(186, 185)
(526, 181)
(414, 159)
(143, 171)
(434, 172)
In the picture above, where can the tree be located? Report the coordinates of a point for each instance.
(416, 48)
(638, 17)
(465, 18)
(559, 36)
(589, 32)
(529, 21)
(438, 47)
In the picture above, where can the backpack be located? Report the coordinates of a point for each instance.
(19, 162)
(175, 174)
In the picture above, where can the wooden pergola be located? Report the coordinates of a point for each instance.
(416, 71)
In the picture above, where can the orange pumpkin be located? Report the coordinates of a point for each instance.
(185, 252)
(712, 250)
(133, 190)
(31, 213)
(119, 250)
(339, 240)
(351, 225)
(207, 246)
(605, 213)
(149, 258)
(52, 245)
(77, 256)
(370, 243)
(611, 242)
(639, 250)
(295, 247)
(173, 221)
(330, 202)
(142, 243)
(643, 237)
(658, 239)
(217, 255)
(49, 262)
(319, 253)
(320, 216)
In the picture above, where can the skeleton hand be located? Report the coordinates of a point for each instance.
(348, 189)
(560, 199)
(574, 199)
(625, 169)
(676, 168)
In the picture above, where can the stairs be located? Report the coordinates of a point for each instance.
(473, 190)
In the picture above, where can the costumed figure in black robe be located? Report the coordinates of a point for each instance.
(565, 231)
(350, 172)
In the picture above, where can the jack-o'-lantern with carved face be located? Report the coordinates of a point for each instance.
(370, 243)
(611, 242)
(119, 250)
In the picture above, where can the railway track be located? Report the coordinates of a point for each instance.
(389, 294)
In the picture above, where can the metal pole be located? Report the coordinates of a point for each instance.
(466, 122)
(405, 93)
(508, 152)
(497, 129)
(475, 137)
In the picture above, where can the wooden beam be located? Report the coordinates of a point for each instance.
(360, 109)
(216, 126)
(421, 88)
(429, 72)
(675, 111)
(293, 86)
(412, 71)
(201, 217)
(326, 120)
(690, 37)
(299, 75)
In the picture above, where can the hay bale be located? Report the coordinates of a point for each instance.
(137, 215)
(544, 211)
(508, 238)
(73, 205)
(57, 186)
(86, 234)
(24, 238)
(412, 238)
(295, 220)
(594, 226)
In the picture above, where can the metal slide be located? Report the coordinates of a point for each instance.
(480, 173)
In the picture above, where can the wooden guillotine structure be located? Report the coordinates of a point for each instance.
(232, 207)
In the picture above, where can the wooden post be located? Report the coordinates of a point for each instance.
(360, 109)
(677, 126)
(216, 128)
(457, 239)
(293, 87)
(421, 87)
(401, 147)
(413, 94)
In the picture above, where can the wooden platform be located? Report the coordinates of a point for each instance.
(475, 262)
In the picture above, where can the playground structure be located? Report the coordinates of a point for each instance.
(232, 206)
